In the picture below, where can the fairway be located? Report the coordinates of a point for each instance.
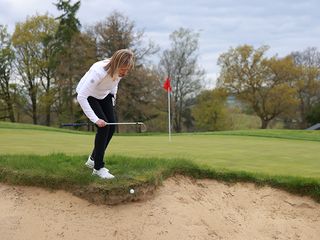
(268, 155)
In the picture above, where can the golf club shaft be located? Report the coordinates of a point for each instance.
(125, 123)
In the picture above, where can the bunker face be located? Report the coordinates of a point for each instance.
(182, 208)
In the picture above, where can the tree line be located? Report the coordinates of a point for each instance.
(42, 61)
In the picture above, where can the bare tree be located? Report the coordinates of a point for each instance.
(180, 64)
(308, 85)
(310, 57)
(118, 32)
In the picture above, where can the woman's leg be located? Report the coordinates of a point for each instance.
(101, 137)
(107, 108)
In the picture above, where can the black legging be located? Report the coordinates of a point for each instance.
(104, 110)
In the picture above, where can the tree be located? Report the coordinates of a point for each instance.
(310, 57)
(210, 112)
(308, 84)
(68, 23)
(71, 60)
(313, 116)
(180, 64)
(47, 61)
(6, 64)
(25, 39)
(73, 64)
(262, 83)
(118, 32)
(135, 96)
(36, 49)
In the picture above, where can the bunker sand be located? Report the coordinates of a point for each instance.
(182, 208)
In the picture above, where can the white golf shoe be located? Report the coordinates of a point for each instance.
(103, 173)
(90, 163)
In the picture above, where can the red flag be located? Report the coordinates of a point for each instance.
(167, 85)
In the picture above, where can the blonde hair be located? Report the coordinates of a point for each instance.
(121, 58)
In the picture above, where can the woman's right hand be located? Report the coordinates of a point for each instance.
(101, 123)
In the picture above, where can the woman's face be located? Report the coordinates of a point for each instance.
(123, 71)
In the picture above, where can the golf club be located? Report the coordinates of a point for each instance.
(143, 127)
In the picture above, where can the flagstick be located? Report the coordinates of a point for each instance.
(169, 116)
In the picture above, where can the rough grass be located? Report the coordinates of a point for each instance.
(59, 171)
(284, 159)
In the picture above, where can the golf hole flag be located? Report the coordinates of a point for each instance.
(167, 85)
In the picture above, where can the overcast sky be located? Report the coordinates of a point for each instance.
(284, 25)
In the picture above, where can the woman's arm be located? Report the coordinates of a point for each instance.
(86, 108)
(88, 82)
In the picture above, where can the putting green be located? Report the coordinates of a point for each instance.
(254, 154)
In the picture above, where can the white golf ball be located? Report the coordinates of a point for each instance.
(131, 191)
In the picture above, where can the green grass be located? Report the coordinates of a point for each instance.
(308, 135)
(290, 160)
(59, 171)
(266, 155)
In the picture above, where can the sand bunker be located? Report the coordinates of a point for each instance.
(181, 209)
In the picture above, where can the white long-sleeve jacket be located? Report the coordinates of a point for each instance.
(98, 84)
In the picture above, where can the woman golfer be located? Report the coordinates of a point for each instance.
(97, 91)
